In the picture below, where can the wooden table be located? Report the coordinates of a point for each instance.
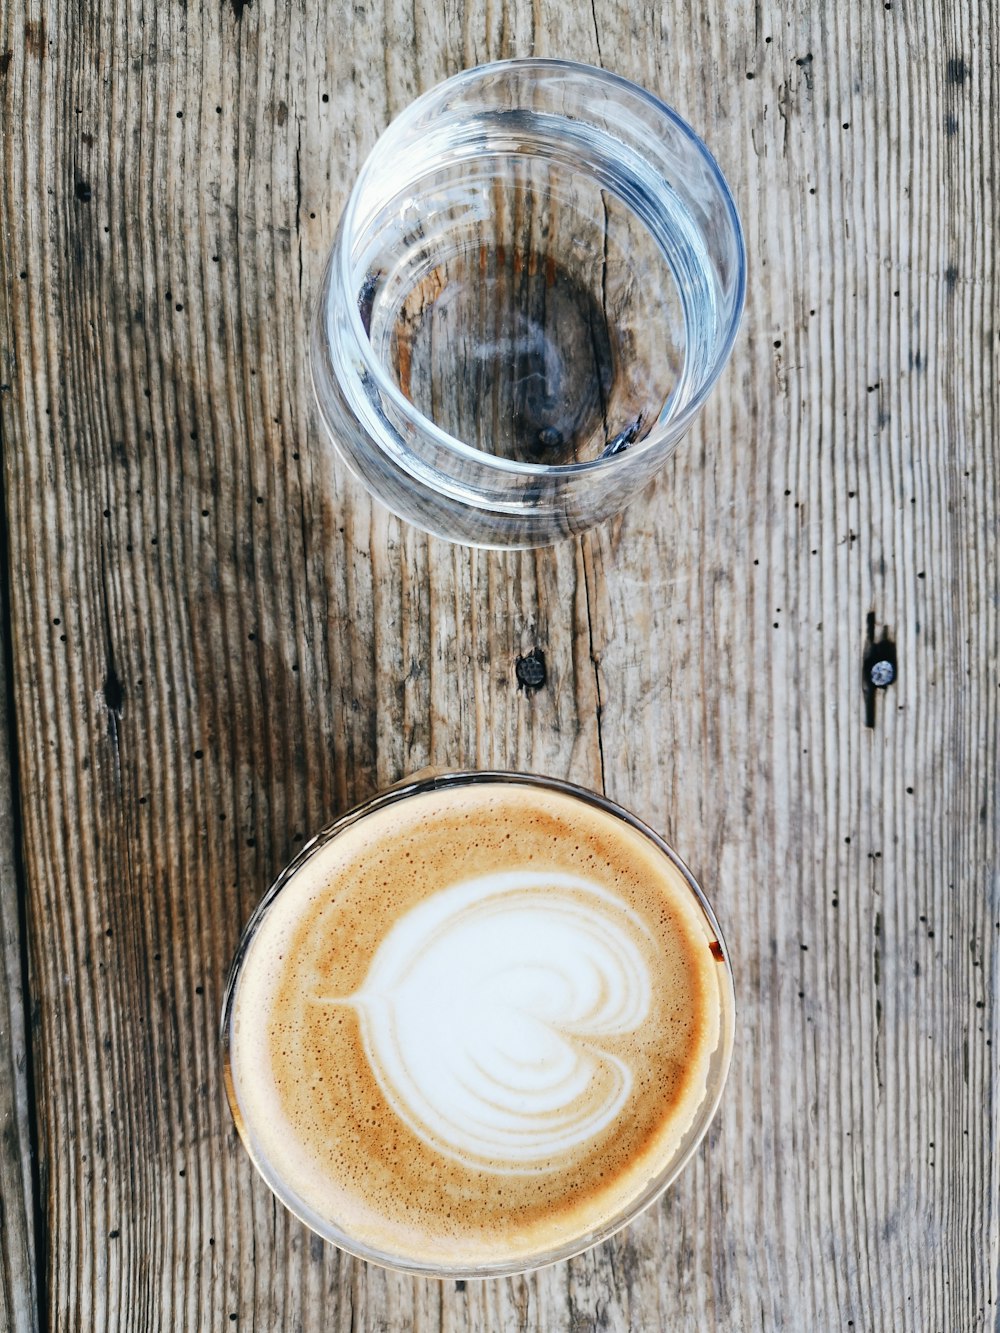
(214, 643)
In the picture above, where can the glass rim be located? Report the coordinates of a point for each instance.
(666, 431)
(690, 1142)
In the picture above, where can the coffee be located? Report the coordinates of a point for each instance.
(474, 1025)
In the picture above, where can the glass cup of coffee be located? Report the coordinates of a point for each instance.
(477, 1025)
(537, 279)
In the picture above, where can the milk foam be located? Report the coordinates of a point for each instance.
(484, 1010)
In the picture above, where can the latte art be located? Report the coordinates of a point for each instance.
(484, 1010)
(476, 1024)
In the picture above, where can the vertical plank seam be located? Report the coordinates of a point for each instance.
(594, 663)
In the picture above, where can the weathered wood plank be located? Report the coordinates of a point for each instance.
(219, 643)
(18, 1293)
(223, 641)
(847, 469)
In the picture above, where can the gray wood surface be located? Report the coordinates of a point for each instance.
(219, 644)
(18, 1295)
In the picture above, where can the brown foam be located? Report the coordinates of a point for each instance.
(307, 1095)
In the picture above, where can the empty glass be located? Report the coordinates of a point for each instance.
(536, 280)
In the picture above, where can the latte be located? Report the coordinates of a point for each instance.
(474, 1025)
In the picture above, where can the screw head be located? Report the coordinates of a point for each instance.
(530, 669)
(882, 674)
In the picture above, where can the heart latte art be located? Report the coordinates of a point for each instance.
(475, 1024)
(484, 1012)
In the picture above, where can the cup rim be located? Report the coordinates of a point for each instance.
(667, 431)
(704, 1116)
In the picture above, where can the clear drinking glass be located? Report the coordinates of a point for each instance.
(716, 1077)
(536, 281)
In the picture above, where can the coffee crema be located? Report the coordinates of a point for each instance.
(474, 1025)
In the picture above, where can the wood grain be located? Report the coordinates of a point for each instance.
(18, 1294)
(219, 643)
